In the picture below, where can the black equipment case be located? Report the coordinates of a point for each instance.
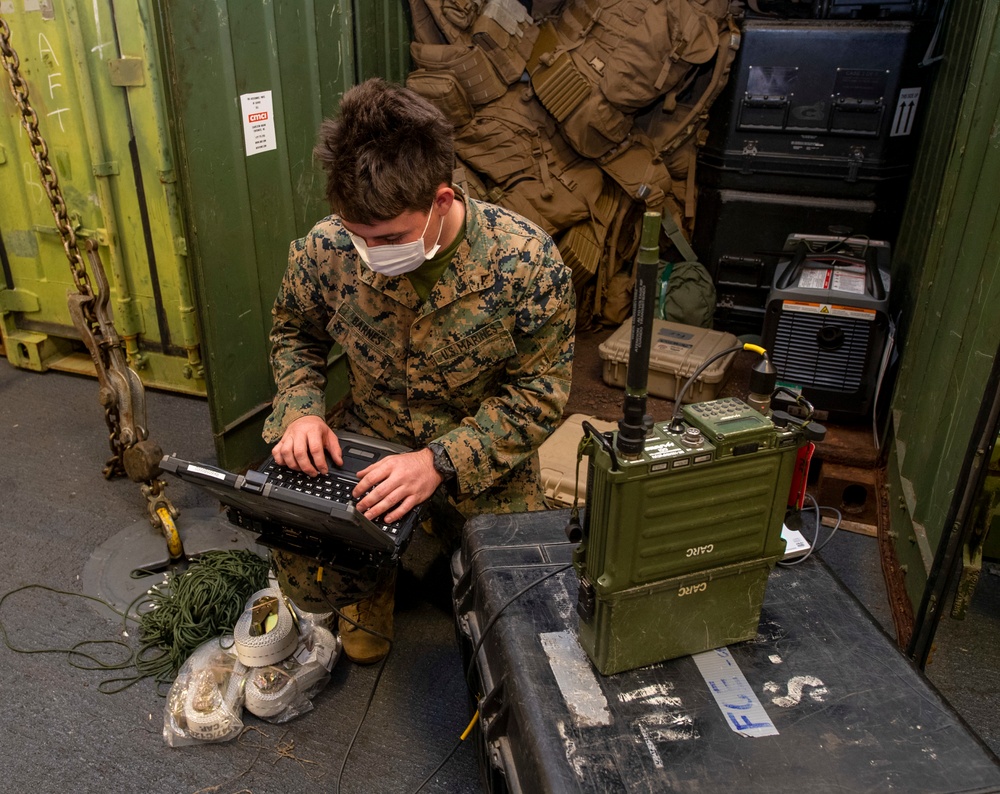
(818, 107)
(848, 711)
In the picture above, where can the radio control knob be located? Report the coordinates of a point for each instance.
(692, 437)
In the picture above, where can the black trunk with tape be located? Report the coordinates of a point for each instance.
(819, 694)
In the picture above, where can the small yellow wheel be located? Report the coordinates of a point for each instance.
(174, 546)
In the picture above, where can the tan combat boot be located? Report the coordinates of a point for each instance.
(374, 613)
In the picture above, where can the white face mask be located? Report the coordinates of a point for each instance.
(395, 260)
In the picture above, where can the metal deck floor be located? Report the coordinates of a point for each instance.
(60, 734)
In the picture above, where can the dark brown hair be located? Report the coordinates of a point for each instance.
(385, 152)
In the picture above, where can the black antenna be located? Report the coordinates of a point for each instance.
(632, 427)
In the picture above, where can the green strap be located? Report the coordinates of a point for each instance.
(677, 238)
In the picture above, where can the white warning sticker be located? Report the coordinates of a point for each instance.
(830, 309)
(840, 278)
(258, 122)
(848, 279)
(815, 278)
(906, 112)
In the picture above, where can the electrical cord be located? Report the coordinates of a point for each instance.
(835, 244)
(492, 621)
(475, 652)
(378, 676)
(799, 400)
(447, 758)
(180, 617)
(472, 664)
(73, 652)
(890, 344)
(816, 545)
(468, 674)
(678, 400)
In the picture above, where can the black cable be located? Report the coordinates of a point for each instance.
(378, 677)
(798, 399)
(462, 738)
(73, 651)
(364, 715)
(492, 621)
(472, 661)
(678, 400)
(439, 767)
(193, 607)
(600, 438)
(816, 545)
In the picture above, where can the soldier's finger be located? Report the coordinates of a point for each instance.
(317, 453)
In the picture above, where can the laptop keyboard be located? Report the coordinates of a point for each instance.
(332, 486)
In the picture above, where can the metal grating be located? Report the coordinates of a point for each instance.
(798, 357)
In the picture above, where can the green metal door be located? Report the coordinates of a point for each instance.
(146, 109)
(949, 252)
(250, 84)
(96, 87)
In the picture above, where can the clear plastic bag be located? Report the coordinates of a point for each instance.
(205, 701)
(280, 692)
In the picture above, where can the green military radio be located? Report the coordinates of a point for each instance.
(683, 518)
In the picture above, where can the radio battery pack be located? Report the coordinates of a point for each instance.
(678, 541)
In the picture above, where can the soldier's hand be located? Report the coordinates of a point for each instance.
(396, 484)
(304, 445)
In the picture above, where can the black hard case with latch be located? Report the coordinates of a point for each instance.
(818, 107)
(852, 713)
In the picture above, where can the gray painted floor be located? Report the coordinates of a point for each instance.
(59, 733)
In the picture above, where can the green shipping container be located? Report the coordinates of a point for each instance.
(946, 262)
(182, 133)
(98, 94)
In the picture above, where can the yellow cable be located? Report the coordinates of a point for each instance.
(755, 348)
(475, 719)
(319, 574)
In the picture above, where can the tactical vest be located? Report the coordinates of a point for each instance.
(579, 118)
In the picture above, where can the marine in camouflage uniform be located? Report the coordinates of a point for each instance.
(482, 367)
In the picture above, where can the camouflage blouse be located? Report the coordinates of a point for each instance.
(483, 366)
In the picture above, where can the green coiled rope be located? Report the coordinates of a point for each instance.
(189, 608)
(195, 606)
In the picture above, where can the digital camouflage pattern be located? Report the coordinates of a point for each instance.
(316, 586)
(483, 367)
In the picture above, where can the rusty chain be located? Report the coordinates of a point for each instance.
(50, 183)
(131, 453)
(40, 151)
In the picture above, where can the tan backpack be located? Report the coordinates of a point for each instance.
(580, 117)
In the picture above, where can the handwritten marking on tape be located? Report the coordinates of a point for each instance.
(733, 694)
